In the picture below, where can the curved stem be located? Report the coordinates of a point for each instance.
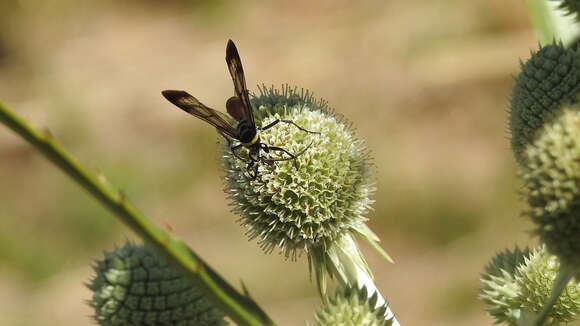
(241, 309)
(542, 19)
(564, 276)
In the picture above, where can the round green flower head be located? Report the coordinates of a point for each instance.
(536, 278)
(548, 79)
(134, 286)
(552, 177)
(351, 306)
(307, 202)
(499, 289)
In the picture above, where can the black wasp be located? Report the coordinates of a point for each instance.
(239, 125)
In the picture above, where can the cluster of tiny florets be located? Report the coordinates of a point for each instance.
(352, 306)
(552, 177)
(134, 286)
(308, 202)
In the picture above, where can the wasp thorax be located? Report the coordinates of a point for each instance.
(247, 132)
(310, 201)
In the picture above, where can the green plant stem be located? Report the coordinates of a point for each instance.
(241, 309)
(564, 276)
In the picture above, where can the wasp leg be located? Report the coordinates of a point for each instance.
(292, 156)
(275, 122)
(297, 126)
(233, 150)
(251, 164)
(270, 125)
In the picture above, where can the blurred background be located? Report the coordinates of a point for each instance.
(425, 82)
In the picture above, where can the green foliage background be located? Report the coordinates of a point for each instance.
(425, 83)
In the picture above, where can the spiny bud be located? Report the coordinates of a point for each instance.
(134, 286)
(309, 203)
(352, 306)
(499, 289)
(548, 79)
(552, 177)
(535, 279)
(570, 7)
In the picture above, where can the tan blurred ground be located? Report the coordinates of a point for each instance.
(424, 82)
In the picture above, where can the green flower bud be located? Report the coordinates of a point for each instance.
(548, 79)
(310, 203)
(536, 278)
(352, 306)
(499, 289)
(552, 177)
(134, 286)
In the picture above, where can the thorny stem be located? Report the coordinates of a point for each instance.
(241, 309)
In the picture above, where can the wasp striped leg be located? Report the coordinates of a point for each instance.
(252, 164)
(233, 150)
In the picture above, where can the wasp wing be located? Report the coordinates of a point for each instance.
(191, 105)
(237, 71)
